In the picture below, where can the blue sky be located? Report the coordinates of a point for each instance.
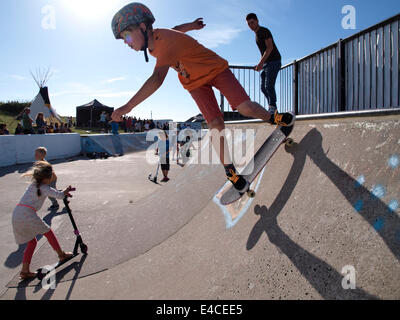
(88, 63)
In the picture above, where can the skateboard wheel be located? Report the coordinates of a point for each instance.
(289, 142)
(251, 193)
(84, 248)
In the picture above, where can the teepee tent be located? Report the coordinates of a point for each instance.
(41, 103)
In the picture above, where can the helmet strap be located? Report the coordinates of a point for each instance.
(146, 43)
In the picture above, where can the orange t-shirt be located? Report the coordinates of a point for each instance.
(196, 65)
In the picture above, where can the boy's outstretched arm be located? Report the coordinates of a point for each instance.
(149, 87)
(195, 25)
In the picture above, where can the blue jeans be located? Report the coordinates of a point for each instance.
(268, 79)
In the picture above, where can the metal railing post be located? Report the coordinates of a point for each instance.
(295, 90)
(341, 81)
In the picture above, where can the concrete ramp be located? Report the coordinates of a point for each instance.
(115, 144)
(325, 209)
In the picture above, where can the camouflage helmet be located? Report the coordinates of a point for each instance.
(132, 14)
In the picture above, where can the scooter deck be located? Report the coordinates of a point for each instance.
(260, 159)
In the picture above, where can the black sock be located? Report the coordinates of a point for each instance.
(272, 119)
(229, 167)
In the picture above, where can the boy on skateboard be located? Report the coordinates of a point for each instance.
(199, 69)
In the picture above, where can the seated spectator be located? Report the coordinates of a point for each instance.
(40, 123)
(66, 129)
(27, 122)
(19, 129)
(50, 128)
(56, 128)
(62, 128)
(3, 129)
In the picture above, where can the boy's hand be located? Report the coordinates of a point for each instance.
(259, 67)
(198, 24)
(68, 190)
(117, 114)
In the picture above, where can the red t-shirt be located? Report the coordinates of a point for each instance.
(196, 65)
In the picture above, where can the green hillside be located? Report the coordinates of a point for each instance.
(9, 111)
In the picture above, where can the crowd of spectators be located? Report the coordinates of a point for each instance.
(131, 124)
(41, 126)
(37, 126)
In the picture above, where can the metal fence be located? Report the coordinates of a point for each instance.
(357, 73)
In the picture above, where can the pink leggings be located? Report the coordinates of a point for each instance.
(30, 248)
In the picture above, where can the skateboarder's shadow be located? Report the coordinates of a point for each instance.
(311, 145)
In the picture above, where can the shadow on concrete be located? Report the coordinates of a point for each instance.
(76, 266)
(321, 275)
(22, 168)
(15, 258)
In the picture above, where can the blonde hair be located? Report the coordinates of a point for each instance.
(41, 150)
(40, 171)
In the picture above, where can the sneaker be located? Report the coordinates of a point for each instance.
(286, 119)
(54, 206)
(165, 180)
(238, 181)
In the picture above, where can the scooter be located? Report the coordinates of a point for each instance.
(42, 272)
(154, 179)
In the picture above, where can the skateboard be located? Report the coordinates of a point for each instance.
(260, 159)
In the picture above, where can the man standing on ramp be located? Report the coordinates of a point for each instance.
(270, 62)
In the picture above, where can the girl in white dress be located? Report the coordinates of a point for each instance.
(27, 224)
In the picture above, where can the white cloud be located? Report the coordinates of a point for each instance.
(114, 80)
(18, 77)
(82, 90)
(215, 36)
(116, 94)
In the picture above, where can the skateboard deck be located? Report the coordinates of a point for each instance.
(260, 159)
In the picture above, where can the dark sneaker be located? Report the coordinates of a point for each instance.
(54, 206)
(286, 119)
(238, 181)
(165, 180)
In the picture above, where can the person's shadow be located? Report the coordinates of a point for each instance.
(15, 258)
(321, 275)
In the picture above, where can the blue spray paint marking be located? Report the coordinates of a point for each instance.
(378, 191)
(378, 225)
(394, 161)
(359, 182)
(393, 206)
(358, 206)
(228, 218)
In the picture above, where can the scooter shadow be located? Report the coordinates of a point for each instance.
(59, 276)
